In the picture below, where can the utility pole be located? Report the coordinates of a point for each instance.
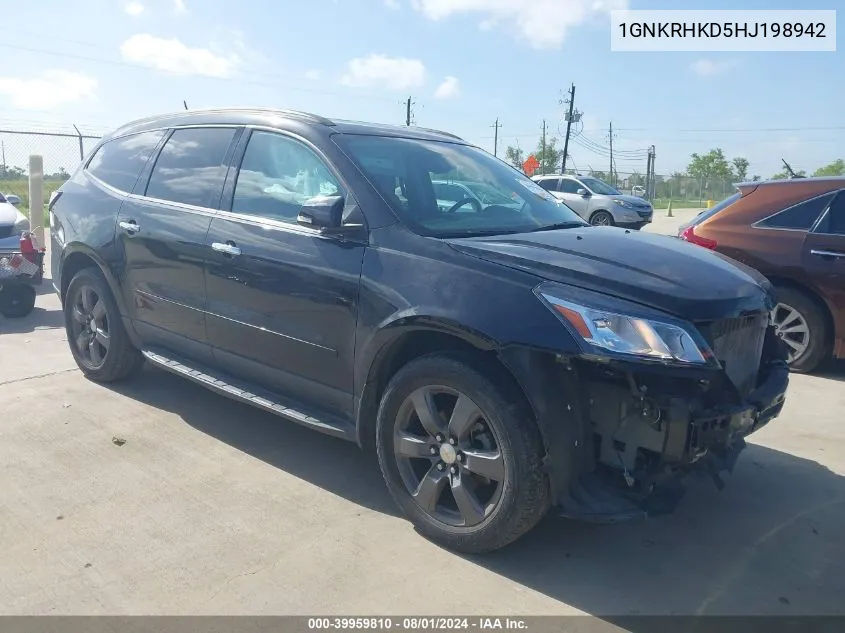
(496, 125)
(610, 136)
(543, 151)
(3, 152)
(568, 127)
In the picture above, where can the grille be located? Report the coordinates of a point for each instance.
(6, 231)
(738, 345)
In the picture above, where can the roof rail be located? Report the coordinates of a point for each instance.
(306, 116)
(449, 134)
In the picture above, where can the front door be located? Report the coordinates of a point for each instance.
(162, 229)
(575, 201)
(282, 298)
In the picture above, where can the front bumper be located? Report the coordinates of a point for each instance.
(621, 440)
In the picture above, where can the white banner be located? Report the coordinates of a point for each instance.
(723, 31)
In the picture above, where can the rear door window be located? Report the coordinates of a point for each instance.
(119, 162)
(550, 184)
(570, 186)
(799, 217)
(190, 168)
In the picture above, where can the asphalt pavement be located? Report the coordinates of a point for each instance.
(158, 497)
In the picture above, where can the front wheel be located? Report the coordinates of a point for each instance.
(461, 454)
(800, 324)
(601, 218)
(98, 341)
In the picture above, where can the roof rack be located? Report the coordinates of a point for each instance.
(432, 130)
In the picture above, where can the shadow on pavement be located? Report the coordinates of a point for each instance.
(770, 543)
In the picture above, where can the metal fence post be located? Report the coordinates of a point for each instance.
(81, 149)
(36, 197)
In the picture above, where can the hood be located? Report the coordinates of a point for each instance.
(658, 271)
(9, 214)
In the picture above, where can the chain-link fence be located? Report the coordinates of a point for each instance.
(62, 153)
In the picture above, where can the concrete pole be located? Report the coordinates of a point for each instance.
(36, 197)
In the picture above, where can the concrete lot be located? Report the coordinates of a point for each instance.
(211, 507)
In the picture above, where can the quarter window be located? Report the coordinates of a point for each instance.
(119, 162)
(190, 168)
(833, 222)
(799, 217)
(278, 175)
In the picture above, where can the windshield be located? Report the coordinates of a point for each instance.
(446, 189)
(600, 187)
(724, 204)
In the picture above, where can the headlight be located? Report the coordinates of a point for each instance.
(621, 203)
(628, 335)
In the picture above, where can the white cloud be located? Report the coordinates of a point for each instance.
(395, 73)
(449, 88)
(54, 88)
(391, 4)
(543, 23)
(707, 67)
(134, 8)
(179, 6)
(174, 56)
(313, 74)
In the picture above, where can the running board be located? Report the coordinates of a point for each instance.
(250, 394)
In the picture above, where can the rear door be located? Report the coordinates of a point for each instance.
(283, 298)
(823, 257)
(162, 229)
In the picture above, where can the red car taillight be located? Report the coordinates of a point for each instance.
(689, 235)
(29, 247)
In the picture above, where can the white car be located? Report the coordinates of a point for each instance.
(21, 262)
(12, 221)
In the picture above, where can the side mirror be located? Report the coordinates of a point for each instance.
(322, 212)
(13, 200)
(583, 192)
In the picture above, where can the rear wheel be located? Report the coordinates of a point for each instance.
(800, 323)
(17, 301)
(601, 218)
(98, 341)
(461, 454)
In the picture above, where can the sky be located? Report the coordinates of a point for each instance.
(97, 64)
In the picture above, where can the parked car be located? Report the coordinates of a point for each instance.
(451, 194)
(597, 202)
(499, 361)
(793, 231)
(11, 199)
(21, 262)
(638, 190)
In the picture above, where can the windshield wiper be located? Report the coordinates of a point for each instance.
(476, 233)
(559, 225)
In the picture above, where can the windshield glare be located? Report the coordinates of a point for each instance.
(600, 187)
(447, 189)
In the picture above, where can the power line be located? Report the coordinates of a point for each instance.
(235, 80)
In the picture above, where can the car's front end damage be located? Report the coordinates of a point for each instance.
(623, 430)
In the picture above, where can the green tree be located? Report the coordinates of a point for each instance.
(709, 169)
(550, 157)
(515, 156)
(740, 167)
(783, 175)
(836, 168)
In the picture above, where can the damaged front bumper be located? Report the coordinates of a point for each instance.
(622, 437)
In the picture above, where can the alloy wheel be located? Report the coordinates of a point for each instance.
(791, 327)
(90, 326)
(449, 458)
(601, 219)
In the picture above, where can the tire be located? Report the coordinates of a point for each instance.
(113, 362)
(17, 301)
(818, 346)
(602, 218)
(521, 496)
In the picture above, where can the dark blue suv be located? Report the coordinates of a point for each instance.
(500, 358)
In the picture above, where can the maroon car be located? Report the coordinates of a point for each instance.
(792, 231)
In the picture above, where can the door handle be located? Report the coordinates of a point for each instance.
(820, 253)
(130, 227)
(227, 248)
